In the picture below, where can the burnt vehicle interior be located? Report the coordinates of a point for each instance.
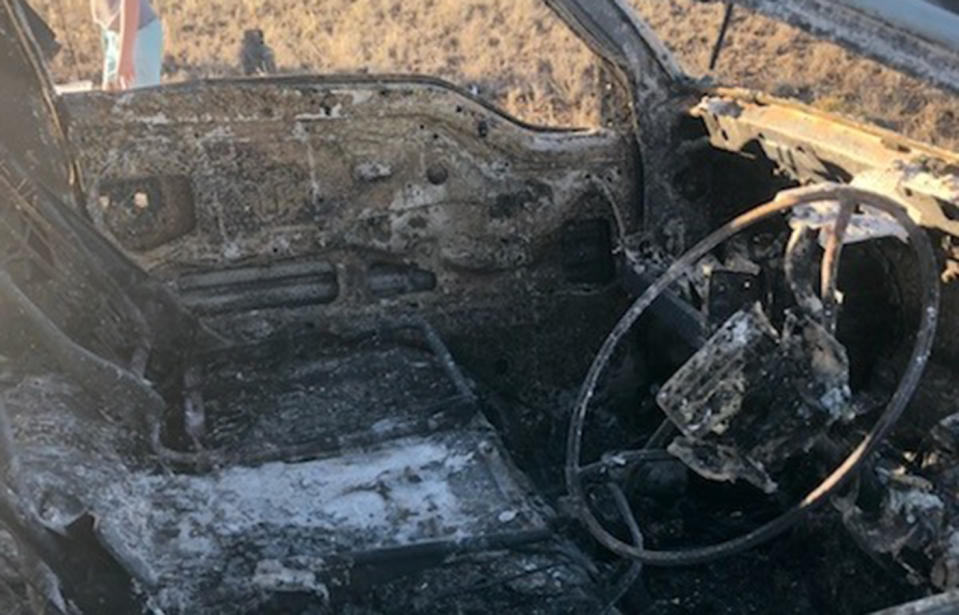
(366, 344)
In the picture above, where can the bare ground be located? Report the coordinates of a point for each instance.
(516, 53)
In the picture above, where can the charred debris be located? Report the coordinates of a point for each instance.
(367, 345)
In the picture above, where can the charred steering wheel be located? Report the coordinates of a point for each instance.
(848, 198)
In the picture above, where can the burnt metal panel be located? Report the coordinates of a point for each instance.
(812, 145)
(654, 82)
(289, 165)
(356, 172)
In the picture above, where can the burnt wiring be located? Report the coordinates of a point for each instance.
(922, 349)
(632, 575)
(624, 459)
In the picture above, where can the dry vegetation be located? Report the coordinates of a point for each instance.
(764, 54)
(515, 53)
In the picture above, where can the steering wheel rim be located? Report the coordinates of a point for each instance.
(848, 197)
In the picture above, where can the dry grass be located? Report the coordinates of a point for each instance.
(516, 53)
(513, 52)
(764, 54)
